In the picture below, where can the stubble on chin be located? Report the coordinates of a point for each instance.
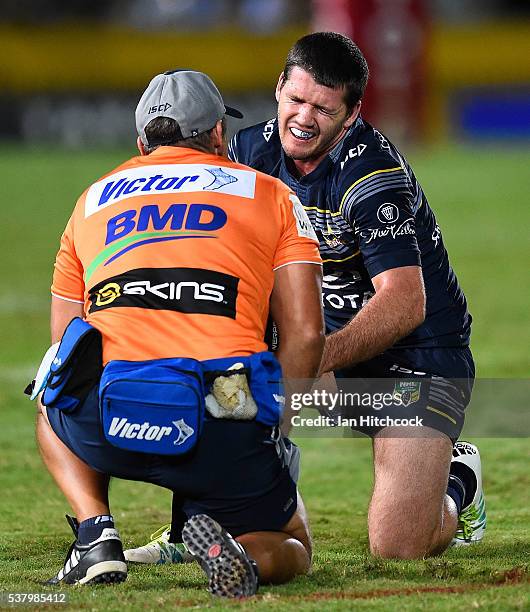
(297, 155)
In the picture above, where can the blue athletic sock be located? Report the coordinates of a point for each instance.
(468, 479)
(456, 491)
(92, 528)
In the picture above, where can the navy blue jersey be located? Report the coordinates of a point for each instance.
(370, 215)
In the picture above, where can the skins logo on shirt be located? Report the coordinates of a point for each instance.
(186, 290)
(107, 294)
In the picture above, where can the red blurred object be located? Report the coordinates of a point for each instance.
(392, 35)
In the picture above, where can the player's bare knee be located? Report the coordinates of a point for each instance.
(413, 544)
(399, 533)
(397, 549)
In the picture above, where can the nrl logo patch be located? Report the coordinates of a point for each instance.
(407, 392)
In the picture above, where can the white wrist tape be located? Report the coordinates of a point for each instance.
(41, 378)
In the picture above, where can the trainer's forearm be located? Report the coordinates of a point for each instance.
(62, 312)
(385, 319)
(300, 362)
(300, 357)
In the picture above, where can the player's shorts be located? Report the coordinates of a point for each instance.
(434, 386)
(238, 473)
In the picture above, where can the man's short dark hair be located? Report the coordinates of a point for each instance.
(165, 131)
(333, 60)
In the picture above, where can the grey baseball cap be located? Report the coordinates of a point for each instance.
(190, 98)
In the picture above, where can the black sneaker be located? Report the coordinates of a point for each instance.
(101, 561)
(230, 572)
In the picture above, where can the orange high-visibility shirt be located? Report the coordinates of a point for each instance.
(173, 255)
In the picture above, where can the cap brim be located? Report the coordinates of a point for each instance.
(233, 112)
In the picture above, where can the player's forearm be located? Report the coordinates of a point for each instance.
(386, 318)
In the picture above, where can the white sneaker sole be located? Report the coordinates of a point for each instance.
(105, 572)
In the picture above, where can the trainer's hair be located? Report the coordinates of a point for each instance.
(333, 60)
(166, 132)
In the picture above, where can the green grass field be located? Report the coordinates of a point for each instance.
(480, 199)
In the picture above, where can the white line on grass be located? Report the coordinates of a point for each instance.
(19, 303)
(16, 374)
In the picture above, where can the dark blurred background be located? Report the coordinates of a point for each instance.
(71, 72)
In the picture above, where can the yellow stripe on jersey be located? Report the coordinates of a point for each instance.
(339, 260)
(363, 178)
(332, 214)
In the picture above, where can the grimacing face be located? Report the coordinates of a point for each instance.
(312, 118)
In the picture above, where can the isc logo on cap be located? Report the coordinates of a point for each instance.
(159, 109)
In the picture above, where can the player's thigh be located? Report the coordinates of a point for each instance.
(411, 470)
(428, 387)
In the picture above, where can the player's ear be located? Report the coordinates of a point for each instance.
(352, 117)
(218, 139)
(279, 86)
(141, 146)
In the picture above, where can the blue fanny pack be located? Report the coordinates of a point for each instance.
(76, 367)
(158, 406)
(153, 406)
